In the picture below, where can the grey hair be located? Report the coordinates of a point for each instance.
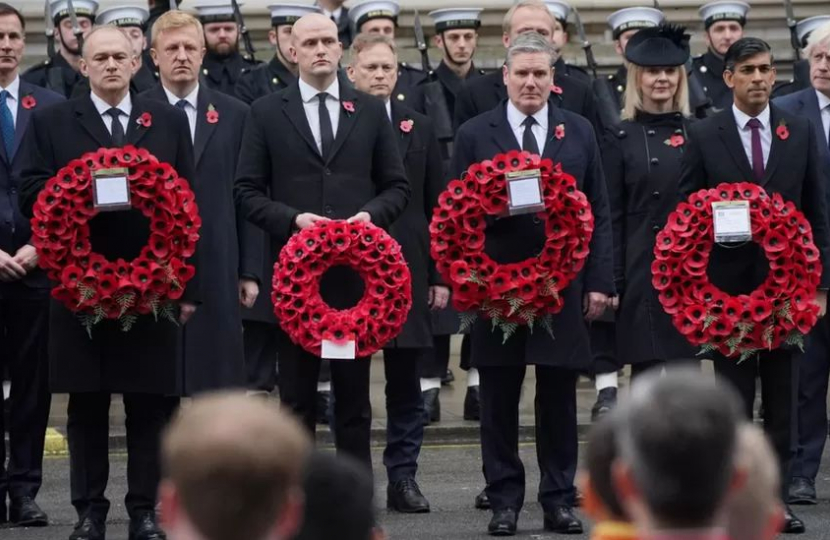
(531, 43)
(819, 36)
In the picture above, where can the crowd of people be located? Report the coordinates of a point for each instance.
(271, 149)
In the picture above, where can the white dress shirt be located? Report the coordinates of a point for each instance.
(312, 109)
(540, 129)
(824, 107)
(334, 14)
(126, 107)
(389, 109)
(13, 98)
(191, 109)
(741, 119)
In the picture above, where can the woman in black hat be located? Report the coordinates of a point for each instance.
(641, 157)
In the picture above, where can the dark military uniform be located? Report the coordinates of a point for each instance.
(710, 70)
(570, 70)
(55, 74)
(800, 80)
(408, 79)
(616, 84)
(222, 73)
(262, 80)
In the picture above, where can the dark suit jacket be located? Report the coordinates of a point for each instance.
(483, 93)
(15, 231)
(281, 173)
(143, 359)
(228, 248)
(715, 154)
(422, 159)
(517, 238)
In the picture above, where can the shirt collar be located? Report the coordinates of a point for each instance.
(336, 13)
(741, 118)
(14, 88)
(191, 98)
(126, 105)
(309, 93)
(823, 101)
(515, 117)
(388, 105)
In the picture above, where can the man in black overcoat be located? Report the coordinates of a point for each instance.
(306, 158)
(722, 149)
(213, 354)
(558, 361)
(484, 93)
(141, 363)
(373, 70)
(24, 292)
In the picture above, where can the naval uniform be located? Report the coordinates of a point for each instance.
(709, 68)
(221, 73)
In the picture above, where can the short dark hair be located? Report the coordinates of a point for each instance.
(6, 9)
(599, 457)
(744, 49)
(678, 435)
(339, 499)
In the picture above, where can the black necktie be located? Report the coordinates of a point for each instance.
(326, 133)
(182, 104)
(529, 143)
(117, 131)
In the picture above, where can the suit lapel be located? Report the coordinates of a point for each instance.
(23, 115)
(135, 131)
(503, 135)
(404, 139)
(347, 120)
(204, 129)
(293, 108)
(92, 122)
(728, 130)
(776, 147)
(552, 144)
(809, 101)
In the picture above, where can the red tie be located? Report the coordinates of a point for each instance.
(757, 152)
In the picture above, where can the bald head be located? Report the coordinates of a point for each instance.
(106, 34)
(316, 49)
(108, 61)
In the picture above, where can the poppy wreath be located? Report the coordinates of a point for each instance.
(87, 283)
(522, 293)
(781, 311)
(380, 314)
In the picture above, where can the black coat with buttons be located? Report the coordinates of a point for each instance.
(408, 80)
(222, 73)
(264, 79)
(281, 174)
(709, 69)
(642, 168)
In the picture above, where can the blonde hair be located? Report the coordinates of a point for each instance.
(173, 20)
(819, 36)
(633, 101)
(750, 509)
(233, 460)
(507, 23)
(365, 41)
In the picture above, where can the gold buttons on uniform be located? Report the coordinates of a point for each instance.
(401, 97)
(703, 69)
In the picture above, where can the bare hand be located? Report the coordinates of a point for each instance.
(821, 300)
(361, 217)
(593, 305)
(248, 292)
(10, 269)
(26, 257)
(438, 297)
(614, 302)
(307, 219)
(186, 310)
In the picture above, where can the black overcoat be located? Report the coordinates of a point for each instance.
(143, 359)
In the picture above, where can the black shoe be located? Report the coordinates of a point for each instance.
(482, 500)
(563, 521)
(323, 407)
(144, 527)
(432, 406)
(792, 525)
(24, 512)
(472, 407)
(405, 496)
(606, 399)
(503, 523)
(448, 378)
(89, 529)
(802, 491)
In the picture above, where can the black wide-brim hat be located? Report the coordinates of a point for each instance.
(664, 45)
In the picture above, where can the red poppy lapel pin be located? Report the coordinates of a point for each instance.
(212, 115)
(145, 120)
(676, 140)
(28, 102)
(559, 132)
(556, 89)
(348, 106)
(782, 131)
(407, 125)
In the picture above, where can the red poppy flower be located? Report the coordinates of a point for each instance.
(212, 115)
(145, 120)
(559, 132)
(555, 89)
(407, 125)
(348, 106)
(675, 141)
(28, 102)
(782, 131)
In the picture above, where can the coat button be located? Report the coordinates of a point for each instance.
(655, 161)
(328, 210)
(650, 133)
(656, 228)
(622, 134)
(656, 194)
(536, 220)
(327, 171)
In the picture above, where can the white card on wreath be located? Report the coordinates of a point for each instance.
(524, 192)
(345, 350)
(731, 221)
(111, 190)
